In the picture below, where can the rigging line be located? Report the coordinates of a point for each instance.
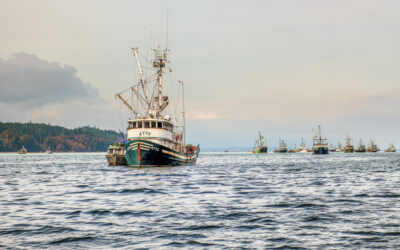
(132, 100)
(149, 78)
(138, 96)
(123, 91)
(121, 116)
(173, 78)
(175, 107)
(137, 99)
(145, 58)
(140, 99)
(177, 99)
(134, 75)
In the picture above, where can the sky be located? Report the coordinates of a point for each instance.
(278, 66)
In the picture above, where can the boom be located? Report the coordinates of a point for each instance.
(142, 81)
(126, 103)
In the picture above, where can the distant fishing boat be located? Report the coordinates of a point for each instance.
(320, 144)
(391, 148)
(22, 150)
(48, 151)
(282, 147)
(361, 147)
(157, 133)
(260, 146)
(303, 148)
(372, 147)
(331, 148)
(294, 150)
(338, 147)
(348, 148)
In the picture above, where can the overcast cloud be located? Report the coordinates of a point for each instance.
(33, 81)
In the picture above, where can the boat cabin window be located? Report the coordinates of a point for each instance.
(153, 124)
(159, 124)
(168, 126)
(133, 125)
(147, 124)
(139, 124)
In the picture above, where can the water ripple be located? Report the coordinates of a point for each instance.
(228, 200)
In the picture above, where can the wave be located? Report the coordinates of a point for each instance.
(72, 239)
(140, 190)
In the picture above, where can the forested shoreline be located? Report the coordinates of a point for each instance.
(37, 137)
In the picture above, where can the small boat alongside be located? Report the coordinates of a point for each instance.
(260, 146)
(116, 155)
(320, 144)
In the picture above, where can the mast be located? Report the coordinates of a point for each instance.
(319, 133)
(159, 63)
(183, 113)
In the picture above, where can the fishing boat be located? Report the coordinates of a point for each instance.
(302, 148)
(320, 144)
(338, 147)
(361, 147)
(391, 148)
(157, 134)
(48, 151)
(348, 148)
(282, 147)
(372, 147)
(116, 155)
(260, 146)
(293, 150)
(331, 148)
(22, 151)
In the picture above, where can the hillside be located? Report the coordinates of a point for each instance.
(36, 137)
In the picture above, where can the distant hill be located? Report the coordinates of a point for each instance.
(36, 137)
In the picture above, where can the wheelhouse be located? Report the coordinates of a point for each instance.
(153, 124)
(114, 149)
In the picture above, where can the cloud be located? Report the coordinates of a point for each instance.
(34, 89)
(29, 80)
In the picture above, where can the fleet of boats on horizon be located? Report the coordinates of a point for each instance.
(320, 145)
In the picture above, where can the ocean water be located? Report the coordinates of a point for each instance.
(227, 200)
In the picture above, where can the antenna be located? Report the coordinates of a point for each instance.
(166, 39)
